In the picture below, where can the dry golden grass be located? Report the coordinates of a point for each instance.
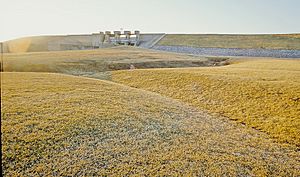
(262, 93)
(92, 62)
(233, 41)
(288, 35)
(53, 124)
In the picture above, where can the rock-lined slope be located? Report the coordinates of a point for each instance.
(60, 125)
(278, 46)
(231, 52)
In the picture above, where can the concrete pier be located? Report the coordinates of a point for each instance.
(127, 37)
(102, 37)
(96, 40)
(137, 37)
(107, 37)
(117, 36)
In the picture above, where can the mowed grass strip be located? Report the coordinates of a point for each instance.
(263, 94)
(291, 41)
(57, 125)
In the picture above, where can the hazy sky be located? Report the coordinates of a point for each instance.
(43, 17)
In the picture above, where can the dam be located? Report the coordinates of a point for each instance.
(102, 39)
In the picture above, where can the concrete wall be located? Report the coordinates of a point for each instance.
(69, 42)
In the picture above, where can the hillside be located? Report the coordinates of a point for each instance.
(98, 63)
(284, 41)
(58, 125)
(263, 93)
(77, 42)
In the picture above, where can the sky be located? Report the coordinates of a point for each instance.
(20, 18)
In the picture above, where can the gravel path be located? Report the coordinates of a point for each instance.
(231, 52)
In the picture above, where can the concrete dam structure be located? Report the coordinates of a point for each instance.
(81, 42)
(96, 40)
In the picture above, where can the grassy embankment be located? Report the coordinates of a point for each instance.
(283, 41)
(98, 63)
(263, 94)
(54, 124)
(63, 125)
(270, 41)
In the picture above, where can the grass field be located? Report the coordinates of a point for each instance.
(53, 124)
(284, 41)
(263, 93)
(235, 120)
(97, 63)
(288, 35)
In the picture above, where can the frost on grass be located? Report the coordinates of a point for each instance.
(263, 94)
(56, 125)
